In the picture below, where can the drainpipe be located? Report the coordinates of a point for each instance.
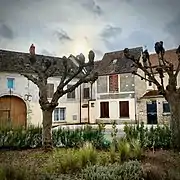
(89, 103)
(80, 105)
(88, 113)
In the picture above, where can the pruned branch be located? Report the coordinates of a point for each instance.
(85, 73)
(178, 67)
(31, 78)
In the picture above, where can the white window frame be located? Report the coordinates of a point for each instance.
(60, 119)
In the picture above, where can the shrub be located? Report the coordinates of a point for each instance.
(20, 138)
(129, 149)
(155, 137)
(87, 154)
(128, 171)
(71, 160)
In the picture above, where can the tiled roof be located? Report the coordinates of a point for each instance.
(170, 55)
(10, 60)
(116, 62)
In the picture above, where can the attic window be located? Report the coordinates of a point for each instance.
(114, 61)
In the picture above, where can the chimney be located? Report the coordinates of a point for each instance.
(32, 49)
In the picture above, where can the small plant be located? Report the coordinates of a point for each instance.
(87, 154)
(113, 156)
(128, 171)
(124, 149)
(114, 133)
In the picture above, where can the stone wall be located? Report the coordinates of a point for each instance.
(142, 111)
(126, 82)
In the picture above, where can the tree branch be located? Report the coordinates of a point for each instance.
(178, 67)
(31, 78)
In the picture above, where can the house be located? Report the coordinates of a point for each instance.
(152, 108)
(19, 97)
(112, 97)
(115, 88)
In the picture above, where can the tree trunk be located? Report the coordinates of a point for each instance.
(47, 129)
(174, 102)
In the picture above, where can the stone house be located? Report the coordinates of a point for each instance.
(115, 88)
(152, 108)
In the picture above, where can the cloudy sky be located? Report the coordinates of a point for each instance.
(61, 27)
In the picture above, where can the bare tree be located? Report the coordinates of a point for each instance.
(156, 74)
(66, 69)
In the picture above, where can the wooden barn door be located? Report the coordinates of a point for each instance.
(13, 111)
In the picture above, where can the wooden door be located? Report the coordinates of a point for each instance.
(104, 110)
(12, 110)
(124, 109)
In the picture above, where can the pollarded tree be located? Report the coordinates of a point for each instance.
(66, 69)
(156, 74)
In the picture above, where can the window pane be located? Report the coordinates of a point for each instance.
(166, 108)
(10, 83)
(62, 113)
(113, 83)
(56, 114)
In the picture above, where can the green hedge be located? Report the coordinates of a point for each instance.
(32, 137)
(154, 137)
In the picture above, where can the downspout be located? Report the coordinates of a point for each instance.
(80, 105)
(88, 113)
(89, 103)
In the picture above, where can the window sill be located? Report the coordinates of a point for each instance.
(59, 122)
(166, 114)
(124, 117)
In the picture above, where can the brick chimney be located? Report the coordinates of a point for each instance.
(32, 49)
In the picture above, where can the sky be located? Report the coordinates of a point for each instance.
(64, 27)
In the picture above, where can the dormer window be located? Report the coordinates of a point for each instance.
(114, 61)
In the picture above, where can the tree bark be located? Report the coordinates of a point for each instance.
(174, 102)
(47, 129)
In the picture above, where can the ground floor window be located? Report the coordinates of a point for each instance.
(60, 114)
(124, 109)
(166, 108)
(104, 110)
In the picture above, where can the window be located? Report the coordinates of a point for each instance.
(166, 108)
(104, 110)
(124, 109)
(113, 83)
(86, 93)
(59, 114)
(70, 95)
(10, 83)
(50, 90)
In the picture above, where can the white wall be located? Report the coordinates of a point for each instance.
(34, 115)
(114, 113)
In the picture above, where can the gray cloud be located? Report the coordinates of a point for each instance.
(98, 54)
(47, 53)
(62, 36)
(6, 32)
(111, 32)
(173, 28)
(92, 6)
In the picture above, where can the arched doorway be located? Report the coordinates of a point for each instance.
(12, 110)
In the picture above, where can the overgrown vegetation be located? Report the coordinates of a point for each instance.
(154, 137)
(85, 154)
(31, 137)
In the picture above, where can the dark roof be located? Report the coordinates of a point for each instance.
(151, 93)
(170, 55)
(122, 65)
(10, 61)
